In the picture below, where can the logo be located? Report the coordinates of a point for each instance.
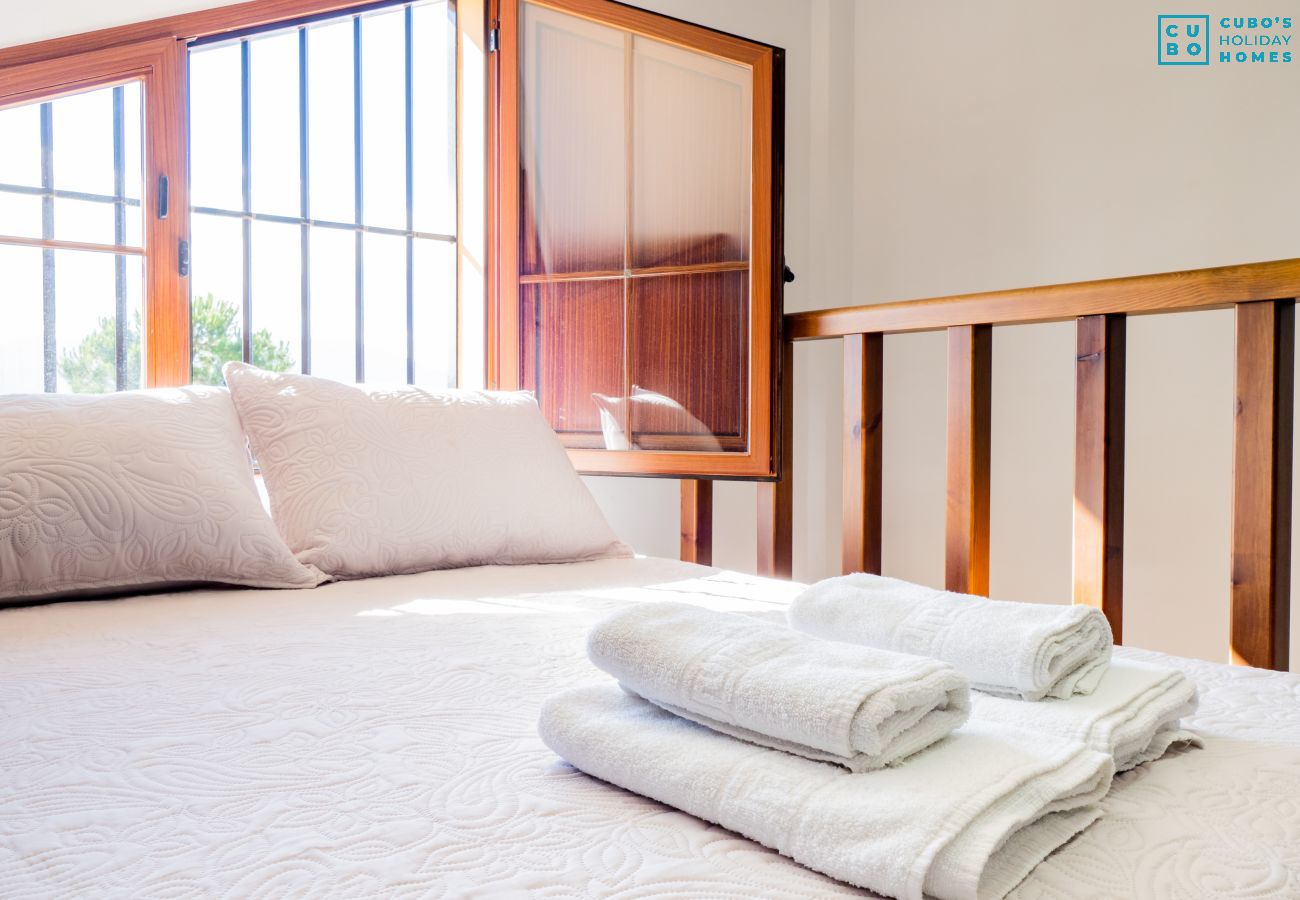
(1183, 40)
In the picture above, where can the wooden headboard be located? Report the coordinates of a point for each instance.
(1262, 295)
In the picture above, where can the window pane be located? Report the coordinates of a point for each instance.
(329, 121)
(691, 157)
(383, 118)
(333, 304)
(688, 338)
(84, 220)
(83, 142)
(273, 123)
(572, 152)
(385, 302)
(20, 151)
(22, 342)
(216, 285)
(20, 214)
(277, 296)
(86, 326)
(433, 82)
(571, 355)
(435, 314)
(133, 139)
(215, 131)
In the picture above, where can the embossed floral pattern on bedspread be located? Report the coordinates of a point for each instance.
(377, 738)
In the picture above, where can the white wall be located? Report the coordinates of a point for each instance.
(1003, 144)
(938, 147)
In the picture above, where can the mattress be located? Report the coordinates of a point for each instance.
(377, 738)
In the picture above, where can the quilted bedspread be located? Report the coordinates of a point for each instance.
(376, 739)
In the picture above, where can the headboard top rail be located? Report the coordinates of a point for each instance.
(1217, 288)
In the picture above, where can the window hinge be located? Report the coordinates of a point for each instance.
(494, 35)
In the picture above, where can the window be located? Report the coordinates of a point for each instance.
(322, 232)
(324, 201)
(638, 249)
(82, 234)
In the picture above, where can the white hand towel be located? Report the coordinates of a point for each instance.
(1133, 714)
(1029, 650)
(762, 682)
(966, 819)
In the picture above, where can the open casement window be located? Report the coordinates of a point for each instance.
(637, 279)
(92, 213)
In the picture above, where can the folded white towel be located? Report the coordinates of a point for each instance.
(966, 819)
(1133, 714)
(762, 682)
(1029, 650)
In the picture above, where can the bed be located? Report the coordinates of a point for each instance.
(377, 738)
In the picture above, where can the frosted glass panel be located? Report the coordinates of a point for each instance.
(573, 158)
(691, 157)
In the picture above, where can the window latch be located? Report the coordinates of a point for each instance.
(183, 257)
(163, 199)
(493, 38)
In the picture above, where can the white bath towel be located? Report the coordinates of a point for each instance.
(966, 819)
(762, 682)
(1133, 714)
(1029, 650)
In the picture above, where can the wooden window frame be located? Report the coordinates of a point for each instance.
(159, 65)
(760, 459)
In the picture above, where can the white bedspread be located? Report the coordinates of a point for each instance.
(377, 738)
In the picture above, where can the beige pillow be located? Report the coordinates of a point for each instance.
(366, 481)
(132, 490)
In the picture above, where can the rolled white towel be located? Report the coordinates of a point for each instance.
(764, 683)
(967, 819)
(1029, 650)
(1133, 714)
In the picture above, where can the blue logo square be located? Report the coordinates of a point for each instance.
(1183, 40)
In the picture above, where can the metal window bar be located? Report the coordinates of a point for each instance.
(47, 255)
(304, 220)
(409, 113)
(63, 194)
(119, 237)
(246, 191)
(358, 147)
(304, 198)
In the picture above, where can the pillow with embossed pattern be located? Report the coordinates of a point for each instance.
(142, 489)
(365, 481)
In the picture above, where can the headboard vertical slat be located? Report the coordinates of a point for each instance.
(970, 377)
(1099, 467)
(863, 453)
(1261, 475)
(697, 521)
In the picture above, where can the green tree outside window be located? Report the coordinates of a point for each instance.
(91, 368)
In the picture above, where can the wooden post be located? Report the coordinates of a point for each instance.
(776, 498)
(1261, 477)
(1099, 468)
(863, 448)
(697, 521)
(970, 377)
